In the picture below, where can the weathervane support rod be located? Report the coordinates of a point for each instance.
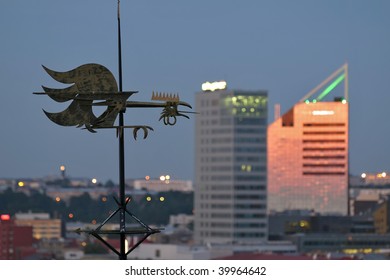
(122, 199)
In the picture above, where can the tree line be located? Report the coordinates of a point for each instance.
(151, 209)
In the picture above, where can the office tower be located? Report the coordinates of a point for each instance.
(230, 179)
(308, 152)
(43, 227)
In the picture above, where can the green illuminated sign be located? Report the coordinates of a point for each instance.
(331, 87)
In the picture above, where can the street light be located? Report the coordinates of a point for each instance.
(62, 169)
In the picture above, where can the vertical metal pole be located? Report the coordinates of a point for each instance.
(122, 199)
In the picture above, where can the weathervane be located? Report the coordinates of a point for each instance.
(93, 85)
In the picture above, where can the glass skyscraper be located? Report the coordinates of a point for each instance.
(231, 173)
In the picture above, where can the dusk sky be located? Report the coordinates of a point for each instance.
(285, 47)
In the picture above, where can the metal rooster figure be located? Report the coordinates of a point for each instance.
(93, 85)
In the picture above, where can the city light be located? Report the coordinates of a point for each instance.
(162, 198)
(384, 174)
(165, 178)
(245, 105)
(147, 178)
(94, 181)
(5, 217)
(58, 199)
(104, 199)
(303, 223)
(21, 184)
(207, 86)
(148, 198)
(247, 168)
(62, 167)
(71, 216)
(364, 175)
(322, 113)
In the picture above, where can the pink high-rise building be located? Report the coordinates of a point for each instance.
(307, 152)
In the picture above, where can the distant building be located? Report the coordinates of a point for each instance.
(16, 241)
(230, 169)
(381, 216)
(265, 256)
(367, 190)
(308, 153)
(151, 251)
(375, 179)
(43, 227)
(181, 219)
(174, 235)
(287, 223)
(163, 184)
(345, 243)
(73, 254)
(66, 194)
(5, 183)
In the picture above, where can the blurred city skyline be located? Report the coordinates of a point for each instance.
(284, 47)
